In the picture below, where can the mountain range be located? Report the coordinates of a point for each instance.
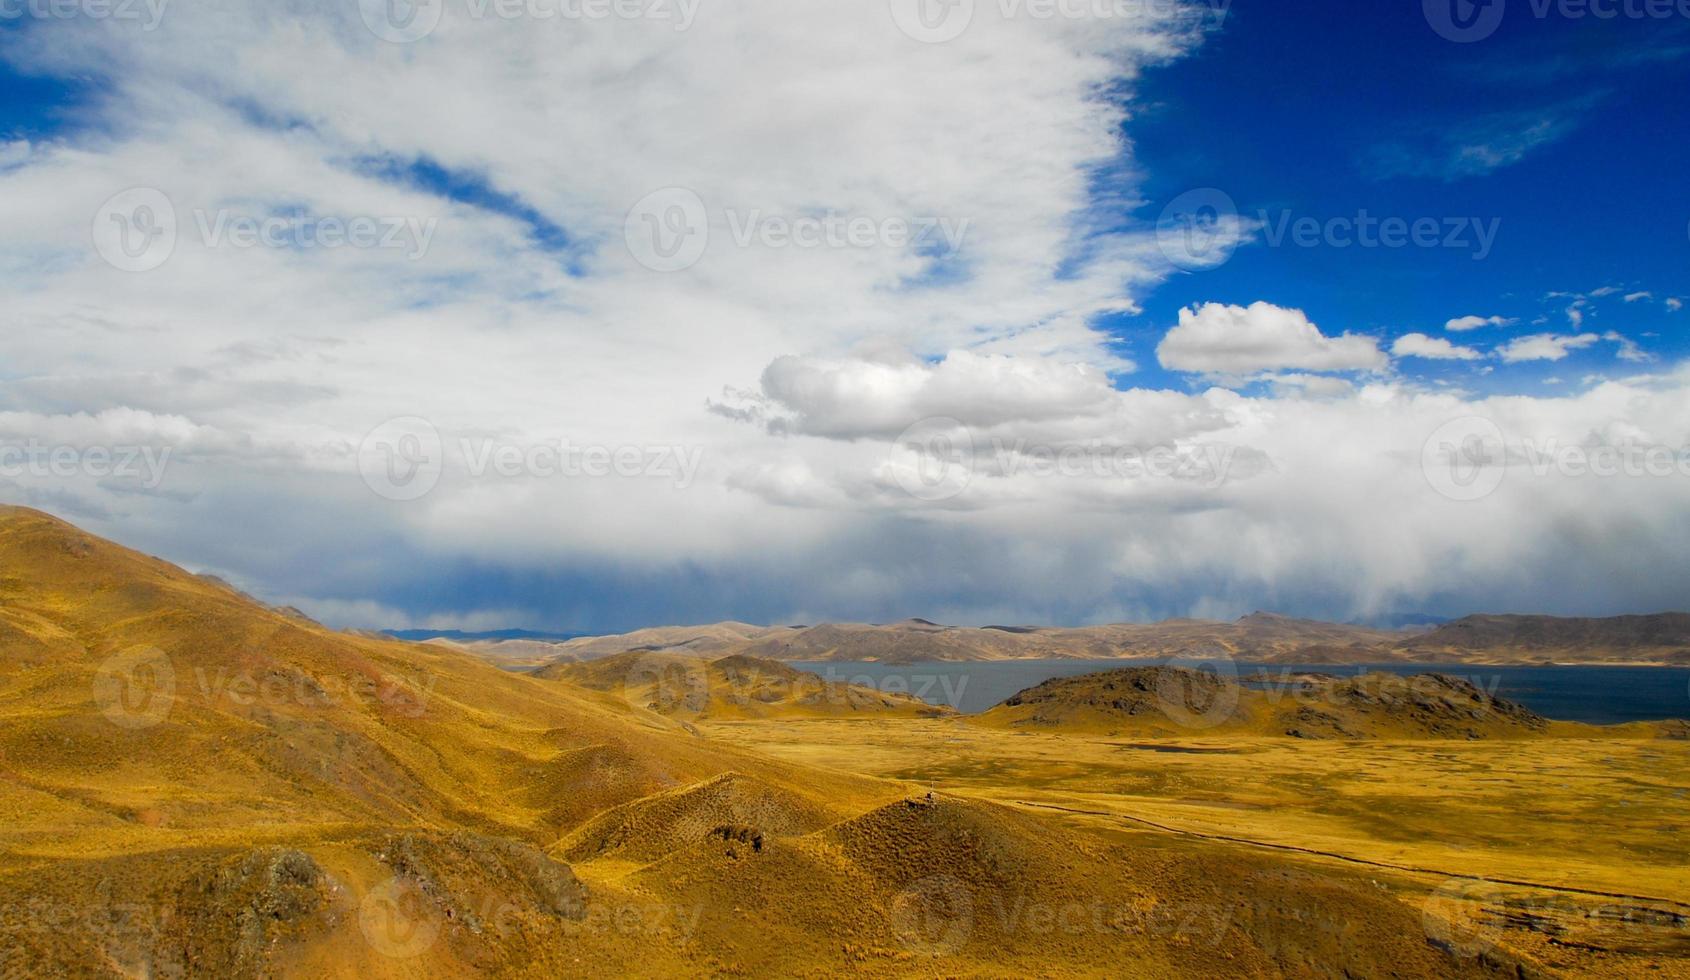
(1659, 639)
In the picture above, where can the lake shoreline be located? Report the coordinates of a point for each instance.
(1598, 694)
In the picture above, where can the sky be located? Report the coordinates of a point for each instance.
(586, 315)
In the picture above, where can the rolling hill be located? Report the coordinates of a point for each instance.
(1175, 701)
(735, 686)
(1663, 638)
(194, 784)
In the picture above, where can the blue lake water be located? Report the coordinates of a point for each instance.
(1597, 695)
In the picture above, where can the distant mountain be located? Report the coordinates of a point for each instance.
(459, 636)
(695, 640)
(1662, 638)
(1260, 637)
(1403, 621)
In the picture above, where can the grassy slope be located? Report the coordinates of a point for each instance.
(736, 686)
(406, 815)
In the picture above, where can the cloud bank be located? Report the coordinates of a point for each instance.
(882, 427)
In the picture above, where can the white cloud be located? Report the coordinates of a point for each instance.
(1629, 351)
(1642, 295)
(1433, 348)
(1545, 346)
(1237, 341)
(854, 397)
(267, 367)
(1674, 304)
(13, 152)
(1462, 323)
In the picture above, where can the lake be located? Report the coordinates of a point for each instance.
(1597, 695)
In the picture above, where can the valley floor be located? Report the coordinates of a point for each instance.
(1596, 826)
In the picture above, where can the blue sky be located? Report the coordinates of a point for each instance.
(1328, 110)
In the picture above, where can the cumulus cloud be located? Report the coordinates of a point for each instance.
(875, 399)
(1433, 348)
(1238, 341)
(1545, 346)
(1637, 296)
(1462, 323)
(855, 397)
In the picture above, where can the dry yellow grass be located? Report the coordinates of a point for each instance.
(194, 785)
(1606, 814)
(692, 688)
